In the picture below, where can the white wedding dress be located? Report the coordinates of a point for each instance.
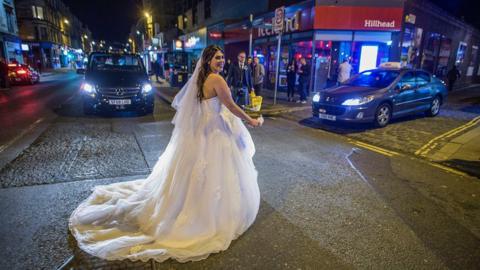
(201, 194)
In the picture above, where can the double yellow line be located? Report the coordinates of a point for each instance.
(393, 153)
(423, 151)
(375, 148)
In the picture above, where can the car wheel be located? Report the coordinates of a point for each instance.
(383, 115)
(434, 106)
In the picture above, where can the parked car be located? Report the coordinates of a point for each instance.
(20, 73)
(116, 82)
(381, 94)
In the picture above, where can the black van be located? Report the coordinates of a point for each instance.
(116, 82)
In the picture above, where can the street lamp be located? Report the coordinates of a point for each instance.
(85, 36)
(66, 21)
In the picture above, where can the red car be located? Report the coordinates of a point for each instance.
(18, 73)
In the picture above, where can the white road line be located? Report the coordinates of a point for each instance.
(23, 133)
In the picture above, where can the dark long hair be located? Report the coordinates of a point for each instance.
(207, 55)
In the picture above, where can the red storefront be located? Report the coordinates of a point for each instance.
(325, 35)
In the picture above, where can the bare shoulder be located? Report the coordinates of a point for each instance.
(215, 78)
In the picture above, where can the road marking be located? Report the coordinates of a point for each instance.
(374, 148)
(30, 128)
(423, 151)
(448, 169)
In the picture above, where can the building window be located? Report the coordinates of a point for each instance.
(10, 16)
(43, 33)
(207, 8)
(194, 15)
(37, 12)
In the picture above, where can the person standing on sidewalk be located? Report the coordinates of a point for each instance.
(239, 79)
(291, 78)
(156, 69)
(303, 80)
(344, 71)
(3, 74)
(166, 70)
(39, 66)
(226, 67)
(258, 75)
(452, 76)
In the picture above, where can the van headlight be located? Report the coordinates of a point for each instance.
(316, 97)
(358, 101)
(88, 88)
(146, 88)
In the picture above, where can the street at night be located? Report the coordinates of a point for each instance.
(372, 162)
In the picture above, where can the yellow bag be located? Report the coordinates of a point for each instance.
(255, 102)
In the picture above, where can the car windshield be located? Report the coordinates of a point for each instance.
(111, 62)
(374, 78)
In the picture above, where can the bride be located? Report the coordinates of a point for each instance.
(202, 192)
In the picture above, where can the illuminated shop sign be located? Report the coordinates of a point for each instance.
(358, 18)
(292, 24)
(195, 40)
(191, 42)
(379, 24)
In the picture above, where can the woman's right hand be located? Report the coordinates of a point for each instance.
(256, 122)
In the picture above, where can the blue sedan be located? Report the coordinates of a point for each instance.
(379, 95)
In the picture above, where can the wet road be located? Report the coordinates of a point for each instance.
(326, 204)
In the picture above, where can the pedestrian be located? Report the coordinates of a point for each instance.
(249, 61)
(239, 79)
(39, 66)
(226, 67)
(166, 70)
(303, 80)
(344, 71)
(291, 78)
(258, 75)
(4, 83)
(156, 69)
(452, 75)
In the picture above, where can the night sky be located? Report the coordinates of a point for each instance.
(111, 20)
(107, 20)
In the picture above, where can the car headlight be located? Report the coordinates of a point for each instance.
(147, 88)
(89, 88)
(358, 101)
(316, 97)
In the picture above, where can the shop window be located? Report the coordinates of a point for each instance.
(462, 47)
(430, 52)
(37, 12)
(443, 57)
(473, 60)
(412, 39)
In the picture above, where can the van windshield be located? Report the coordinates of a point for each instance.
(112, 62)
